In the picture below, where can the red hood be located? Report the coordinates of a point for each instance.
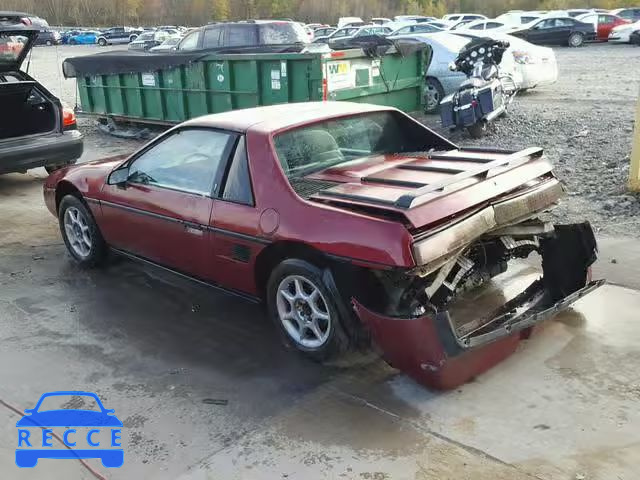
(431, 186)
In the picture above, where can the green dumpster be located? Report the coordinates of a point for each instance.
(218, 83)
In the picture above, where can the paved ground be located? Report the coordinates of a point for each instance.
(166, 355)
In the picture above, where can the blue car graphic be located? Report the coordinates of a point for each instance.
(105, 418)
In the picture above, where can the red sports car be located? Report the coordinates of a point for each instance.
(353, 222)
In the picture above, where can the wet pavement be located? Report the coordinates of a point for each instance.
(205, 391)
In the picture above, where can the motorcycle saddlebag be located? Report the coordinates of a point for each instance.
(485, 100)
(447, 115)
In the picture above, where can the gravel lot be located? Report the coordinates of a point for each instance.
(584, 122)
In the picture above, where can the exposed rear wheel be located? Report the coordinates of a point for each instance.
(576, 39)
(305, 310)
(80, 232)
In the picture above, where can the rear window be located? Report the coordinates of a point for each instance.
(11, 47)
(282, 33)
(309, 149)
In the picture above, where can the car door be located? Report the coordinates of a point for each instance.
(162, 211)
(543, 32)
(237, 224)
(605, 24)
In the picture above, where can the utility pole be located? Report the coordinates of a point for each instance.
(634, 169)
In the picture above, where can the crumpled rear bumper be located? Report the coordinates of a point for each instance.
(446, 349)
(427, 349)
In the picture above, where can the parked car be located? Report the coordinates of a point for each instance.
(517, 18)
(413, 18)
(255, 33)
(622, 33)
(440, 80)
(366, 31)
(117, 35)
(48, 37)
(88, 37)
(557, 31)
(147, 40)
(631, 14)
(457, 17)
(35, 129)
(487, 25)
(168, 45)
(603, 23)
(337, 34)
(379, 20)
(416, 28)
(326, 213)
(12, 18)
(323, 32)
(344, 21)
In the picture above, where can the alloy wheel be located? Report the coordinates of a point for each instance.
(303, 312)
(76, 228)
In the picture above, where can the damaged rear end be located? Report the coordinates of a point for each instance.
(486, 276)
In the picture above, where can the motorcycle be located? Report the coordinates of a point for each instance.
(485, 95)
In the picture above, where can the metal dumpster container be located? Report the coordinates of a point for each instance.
(221, 82)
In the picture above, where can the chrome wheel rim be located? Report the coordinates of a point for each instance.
(575, 40)
(432, 96)
(303, 312)
(77, 231)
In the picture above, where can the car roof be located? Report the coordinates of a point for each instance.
(283, 116)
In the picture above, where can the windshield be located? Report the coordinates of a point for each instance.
(309, 149)
(11, 47)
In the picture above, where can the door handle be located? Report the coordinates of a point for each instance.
(194, 228)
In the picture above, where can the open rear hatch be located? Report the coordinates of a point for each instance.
(28, 109)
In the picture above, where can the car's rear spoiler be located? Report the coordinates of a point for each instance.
(487, 164)
(460, 177)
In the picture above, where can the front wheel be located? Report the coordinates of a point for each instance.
(478, 129)
(576, 39)
(102, 42)
(305, 311)
(80, 232)
(48, 43)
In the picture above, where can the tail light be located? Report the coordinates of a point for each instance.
(68, 118)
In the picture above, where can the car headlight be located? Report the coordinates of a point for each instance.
(524, 58)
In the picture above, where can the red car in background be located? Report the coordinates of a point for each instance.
(603, 23)
(354, 223)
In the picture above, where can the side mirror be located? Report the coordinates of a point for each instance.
(119, 177)
(452, 66)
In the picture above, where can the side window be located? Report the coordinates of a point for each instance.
(479, 26)
(241, 35)
(237, 187)
(494, 25)
(605, 19)
(188, 160)
(404, 30)
(212, 37)
(190, 42)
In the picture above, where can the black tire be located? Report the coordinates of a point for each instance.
(337, 341)
(576, 40)
(478, 129)
(132, 38)
(48, 43)
(98, 251)
(102, 42)
(432, 95)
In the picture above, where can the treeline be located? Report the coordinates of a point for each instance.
(97, 13)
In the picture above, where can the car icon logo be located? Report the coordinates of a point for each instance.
(35, 433)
